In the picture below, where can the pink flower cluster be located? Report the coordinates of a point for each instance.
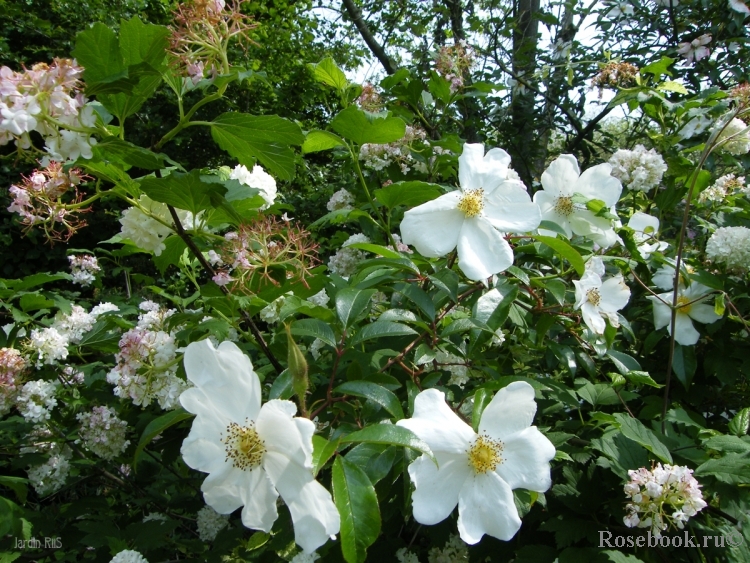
(46, 99)
(39, 201)
(453, 61)
(103, 432)
(12, 366)
(84, 268)
(650, 491)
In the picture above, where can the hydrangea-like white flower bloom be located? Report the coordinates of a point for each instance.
(36, 400)
(84, 268)
(259, 179)
(344, 262)
(561, 182)
(454, 551)
(735, 138)
(103, 432)
(252, 454)
(341, 200)
(730, 246)
(48, 345)
(474, 218)
(645, 227)
(649, 492)
(210, 523)
(725, 185)
(690, 307)
(478, 471)
(599, 300)
(146, 232)
(640, 169)
(129, 556)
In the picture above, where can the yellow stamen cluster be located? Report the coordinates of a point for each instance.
(564, 206)
(472, 202)
(593, 296)
(683, 304)
(243, 446)
(484, 454)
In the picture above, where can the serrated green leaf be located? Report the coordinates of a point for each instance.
(381, 329)
(564, 250)
(388, 434)
(357, 504)
(740, 424)
(156, 427)
(375, 393)
(34, 302)
(350, 302)
(634, 429)
(659, 67)
(174, 247)
(183, 191)
(408, 194)
(672, 86)
(263, 137)
(361, 127)
(327, 72)
(315, 328)
(114, 148)
(317, 140)
(18, 485)
(733, 469)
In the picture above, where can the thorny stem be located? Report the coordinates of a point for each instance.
(206, 266)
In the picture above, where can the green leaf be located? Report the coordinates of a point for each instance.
(641, 378)
(493, 307)
(380, 329)
(439, 87)
(417, 296)
(389, 434)
(564, 250)
(482, 398)
(156, 427)
(282, 386)
(684, 364)
(318, 140)
(328, 73)
(98, 51)
(350, 303)
(315, 328)
(634, 429)
(447, 280)
(740, 424)
(623, 362)
(322, 452)
(263, 137)
(407, 194)
(184, 191)
(362, 127)
(17, 484)
(357, 504)
(729, 444)
(659, 67)
(143, 43)
(34, 302)
(174, 248)
(375, 393)
(113, 148)
(377, 249)
(733, 469)
(104, 336)
(672, 86)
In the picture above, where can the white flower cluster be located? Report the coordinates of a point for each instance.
(303, 557)
(146, 367)
(51, 344)
(36, 400)
(84, 269)
(259, 179)
(210, 523)
(48, 477)
(735, 138)
(344, 262)
(129, 556)
(320, 299)
(378, 157)
(72, 376)
(454, 551)
(148, 232)
(271, 313)
(103, 433)
(12, 366)
(640, 169)
(724, 186)
(730, 246)
(650, 491)
(42, 99)
(405, 556)
(342, 200)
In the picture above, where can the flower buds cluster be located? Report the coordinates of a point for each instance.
(453, 61)
(615, 75)
(39, 200)
(252, 254)
(650, 491)
(46, 99)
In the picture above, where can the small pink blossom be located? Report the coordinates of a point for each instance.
(695, 49)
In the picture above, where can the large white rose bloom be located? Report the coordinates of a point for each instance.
(252, 454)
(690, 307)
(478, 471)
(474, 218)
(561, 181)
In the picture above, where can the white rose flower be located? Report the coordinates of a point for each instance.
(561, 181)
(690, 307)
(474, 218)
(599, 300)
(252, 454)
(478, 471)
